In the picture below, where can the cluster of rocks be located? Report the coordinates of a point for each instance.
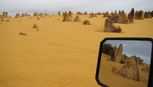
(122, 17)
(99, 13)
(130, 69)
(119, 17)
(148, 14)
(67, 17)
(85, 13)
(18, 15)
(40, 14)
(92, 15)
(4, 15)
(139, 15)
(24, 15)
(77, 19)
(81, 13)
(109, 26)
(106, 14)
(118, 56)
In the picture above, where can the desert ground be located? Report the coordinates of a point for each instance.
(113, 80)
(60, 54)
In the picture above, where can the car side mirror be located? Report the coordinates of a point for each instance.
(125, 62)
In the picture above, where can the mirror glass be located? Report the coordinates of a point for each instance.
(125, 63)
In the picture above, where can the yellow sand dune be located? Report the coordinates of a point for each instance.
(61, 54)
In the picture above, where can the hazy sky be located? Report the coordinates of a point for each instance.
(138, 48)
(74, 5)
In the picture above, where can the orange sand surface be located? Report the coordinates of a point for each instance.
(61, 54)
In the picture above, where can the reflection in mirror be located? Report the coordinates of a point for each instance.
(125, 63)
